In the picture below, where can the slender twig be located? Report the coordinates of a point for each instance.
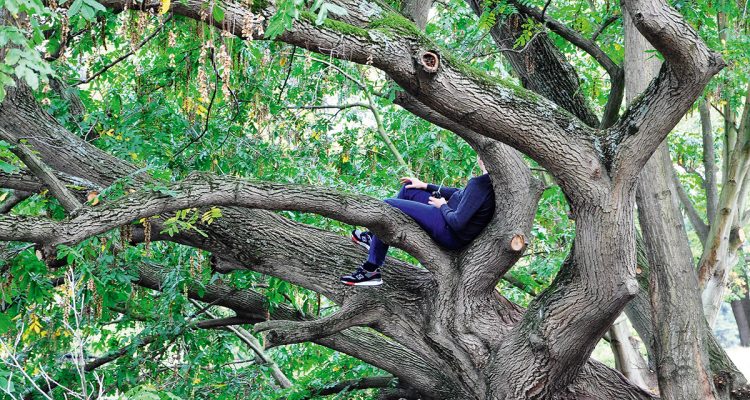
(544, 9)
(257, 348)
(126, 55)
(525, 47)
(288, 73)
(519, 285)
(384, 135)
(208, 110)
(326, 106)
(64, 41)
(607, 22)
(337, 68)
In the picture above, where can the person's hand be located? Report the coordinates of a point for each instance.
(413, 183)
(437, 203)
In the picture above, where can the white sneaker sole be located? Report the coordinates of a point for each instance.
(363, 244)
(365, 283)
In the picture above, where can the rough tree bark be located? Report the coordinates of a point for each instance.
(741, 311)
(676, 319)
(726, 235)
(443, 331)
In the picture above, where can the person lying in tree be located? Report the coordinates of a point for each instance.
(452, 219)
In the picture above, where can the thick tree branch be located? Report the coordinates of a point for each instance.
(695, 219)
(615, 72)
(199, 190)
(371, 382)
(689, 65)
(542, 68)
(13, 199)
(25, 181)
(356, 311)
(23, 118)
(43, 172)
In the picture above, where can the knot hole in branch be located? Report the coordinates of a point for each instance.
(430, 62)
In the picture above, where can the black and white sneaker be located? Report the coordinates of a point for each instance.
(362, 238)
(362, 277)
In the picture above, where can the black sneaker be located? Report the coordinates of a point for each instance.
(362, 277)
(362, 238)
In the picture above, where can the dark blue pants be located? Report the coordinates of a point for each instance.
(414, 203)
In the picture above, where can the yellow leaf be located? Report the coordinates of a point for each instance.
(134, 156)
(282, 61)
(164, 6)
(93, 198)
(200, 110)
(196, 381)
(345, 158)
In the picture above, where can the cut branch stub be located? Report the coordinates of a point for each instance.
(736, 236)
(518, 242)
(430, 62)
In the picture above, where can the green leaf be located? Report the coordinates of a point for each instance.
(218, 14)
(88, 13)
(13, 56)
(316, 5)
(75, 8)
(11, 6)
(95, 5)
(8, 168)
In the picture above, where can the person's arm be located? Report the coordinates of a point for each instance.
(446, 192)
(471, 201)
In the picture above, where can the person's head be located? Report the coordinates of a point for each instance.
(481, 164)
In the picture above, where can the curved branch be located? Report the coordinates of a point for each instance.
(391, 43)
(368, 346)
(199, 190)
(607, 22)
(12, 200)
(615, 72)
(689, 65)
(358, 311)
(372, 382)
(695, 219)
(542, 68)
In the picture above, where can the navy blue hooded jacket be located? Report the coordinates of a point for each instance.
(469, 209)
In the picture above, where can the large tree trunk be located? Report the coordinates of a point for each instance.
(726, 236)
(741, 311)
(676, 310)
